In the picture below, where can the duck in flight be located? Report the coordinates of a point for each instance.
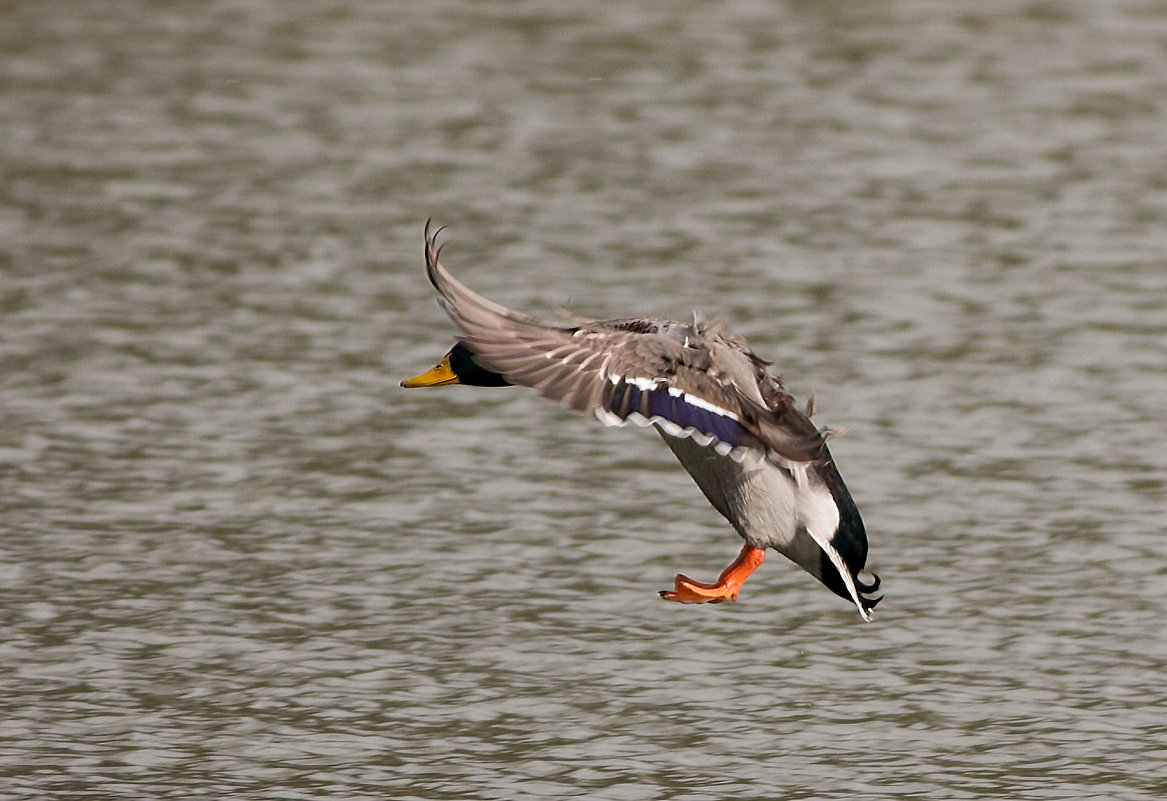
(759, 460)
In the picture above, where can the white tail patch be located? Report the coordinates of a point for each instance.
(837, 560)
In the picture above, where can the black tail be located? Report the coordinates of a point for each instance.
(850, 541)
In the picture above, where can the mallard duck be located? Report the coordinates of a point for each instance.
(758, 459)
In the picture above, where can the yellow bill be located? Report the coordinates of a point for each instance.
(438, 375)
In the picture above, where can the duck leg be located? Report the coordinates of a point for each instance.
(728, 585)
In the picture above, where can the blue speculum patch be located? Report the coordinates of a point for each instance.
(676, 408)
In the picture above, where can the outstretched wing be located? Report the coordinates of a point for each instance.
(629, 371)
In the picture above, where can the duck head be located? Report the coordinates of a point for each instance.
(457, 367)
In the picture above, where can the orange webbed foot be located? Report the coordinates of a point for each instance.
(687, 591)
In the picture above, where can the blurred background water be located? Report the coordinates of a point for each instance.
(237, 561)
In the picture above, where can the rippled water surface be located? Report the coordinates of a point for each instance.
(238, 561)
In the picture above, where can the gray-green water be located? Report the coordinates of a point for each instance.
(237, 561)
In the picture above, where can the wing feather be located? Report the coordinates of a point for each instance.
(625, 371)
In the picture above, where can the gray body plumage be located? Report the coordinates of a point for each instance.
(791, 510)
